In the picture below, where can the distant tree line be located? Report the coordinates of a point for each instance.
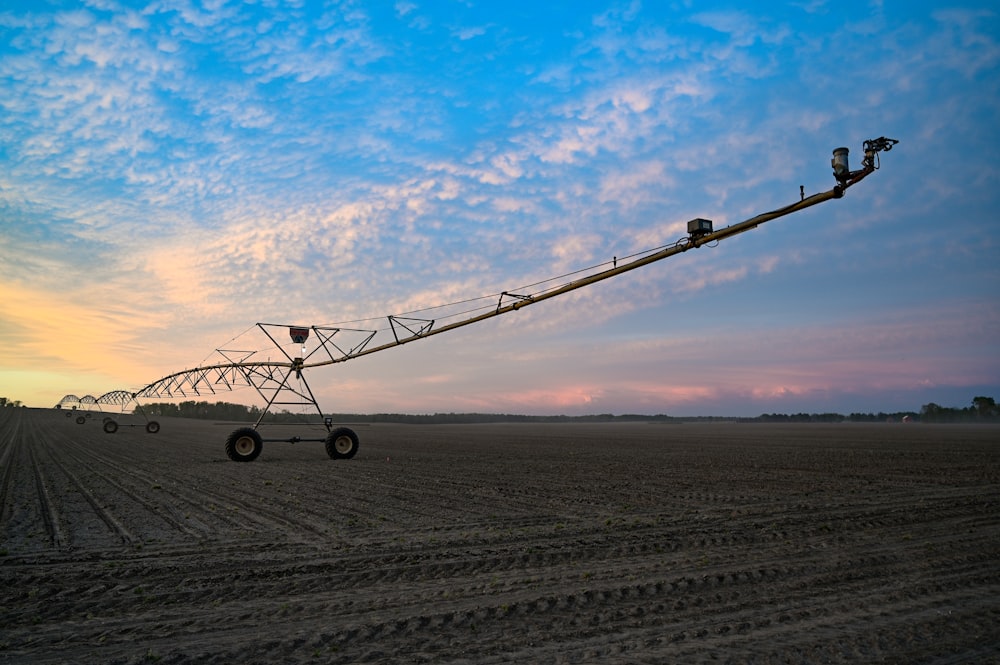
(200, 410)
(983, 409)
(240, 412)
(13, 403)
(471, 418)
(879, 417)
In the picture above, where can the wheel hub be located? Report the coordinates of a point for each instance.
(343, 444)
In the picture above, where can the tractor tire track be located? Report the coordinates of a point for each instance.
(10, 441)
(51, 517)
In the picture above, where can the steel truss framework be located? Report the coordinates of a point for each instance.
(282, 382)
(119, 398)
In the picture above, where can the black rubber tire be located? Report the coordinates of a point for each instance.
(69, 414)
(244, 445)
(152, 427)
(80, 420)
(342, 443)
(110, 426)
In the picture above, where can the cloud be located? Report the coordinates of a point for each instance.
(629, 188)
(230, 163)
(66, 330)
(749, 370)
(467, 33)
(404, 8)
(967, 41)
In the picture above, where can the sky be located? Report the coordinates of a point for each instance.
(173, 172)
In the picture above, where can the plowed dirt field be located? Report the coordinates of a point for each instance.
(573, 543)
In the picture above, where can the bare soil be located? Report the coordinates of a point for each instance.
(580, 543)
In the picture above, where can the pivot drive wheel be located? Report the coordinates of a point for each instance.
(342, 443)
(244, 445)
(110, 426)
(80, 420)
(152, 427)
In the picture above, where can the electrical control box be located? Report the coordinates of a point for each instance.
(699, 227)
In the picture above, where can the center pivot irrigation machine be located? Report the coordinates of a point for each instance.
(278, 381)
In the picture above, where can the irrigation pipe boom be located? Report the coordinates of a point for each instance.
(276, 381)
